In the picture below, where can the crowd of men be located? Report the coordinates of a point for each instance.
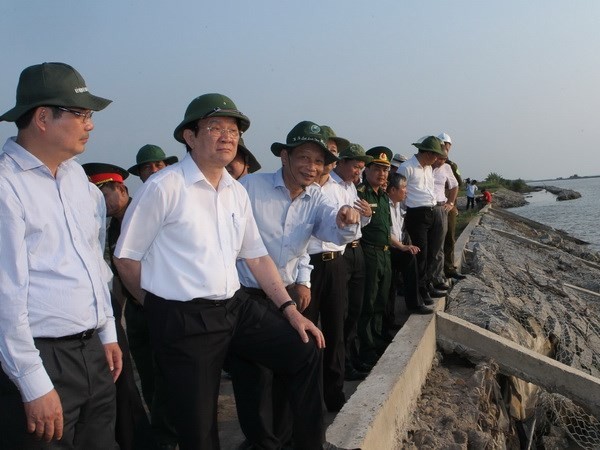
(287, 280)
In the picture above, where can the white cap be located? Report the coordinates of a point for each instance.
(445, 138)
(398, 159)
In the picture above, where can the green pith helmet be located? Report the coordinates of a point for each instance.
(303, 133)
(381, 155)
(355, 151)
(431, 144)
(339, 141)
(150, 153)
(52, 84)
(249, 158)
(210, 105)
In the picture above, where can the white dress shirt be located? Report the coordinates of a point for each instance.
(53, 277)
(441, 175)
(188, 235)
(352, 194)
(397, 213)
(339, 197)
(287, 225)
(419, 183)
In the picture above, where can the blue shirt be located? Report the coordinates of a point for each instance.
(286, 225)
(53, 277)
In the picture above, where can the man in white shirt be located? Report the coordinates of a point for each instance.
(180, 240)
(420, 205)
(58, 343)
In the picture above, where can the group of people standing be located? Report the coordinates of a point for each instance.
(215, 267)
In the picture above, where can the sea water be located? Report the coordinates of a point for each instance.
(580, 217)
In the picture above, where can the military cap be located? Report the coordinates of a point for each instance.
(101, 173)
(339, 141)
(355, 151)
(381, 155)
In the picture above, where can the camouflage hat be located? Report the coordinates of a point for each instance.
(355, 151)
(249, 158)
(150, 153)
(101, 173)
(431, 144)
(304, 133)
(52, 84)
(339, 141)
(381, 155)
(210, 105)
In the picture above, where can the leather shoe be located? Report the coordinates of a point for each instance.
(422, 309)
(427, 298)
(442, 286)
(457, 276)
(436, 293)
(351, 374)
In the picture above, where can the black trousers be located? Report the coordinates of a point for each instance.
(419, 226)
(404, 264)
(191, 341)
(355, 282)
(328, 303)
(80, 374)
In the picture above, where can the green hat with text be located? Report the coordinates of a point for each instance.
(210, 105)
(303, 133)
(52, 84)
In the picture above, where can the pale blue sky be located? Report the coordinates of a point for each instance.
(516, 84)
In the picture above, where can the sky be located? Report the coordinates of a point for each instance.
(515, 84)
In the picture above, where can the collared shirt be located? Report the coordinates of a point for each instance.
(188, 235)
(352, 193)
(286, 225)
(338, 197)
(443, 179)
(419, 183)
(397, 213)
(53, 277)
(378, 231)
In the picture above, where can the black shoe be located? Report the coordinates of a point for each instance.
(427, 300)
(436, 293)
(351, 374)
(422, 309)
(457, 276)
(335, 404)
(442, 286)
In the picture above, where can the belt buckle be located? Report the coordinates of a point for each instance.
(87, 334)
(327, 256)
(354, 244)
(385, 248)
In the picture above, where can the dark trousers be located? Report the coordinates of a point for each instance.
(470, 202)
(355, 282)
(419, 226)
(435, 258)
(154, 388)
(450, 240)
(328, 303)
(404, 264)
(378, 276)
(79, 371)
(191, 340)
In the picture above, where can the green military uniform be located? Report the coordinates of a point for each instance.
(378, 270)
(450, 239)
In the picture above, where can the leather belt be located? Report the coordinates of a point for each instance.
(420, 208)
(83, 336)
(440, 203)
(353, 244)
(384, 248)
(326, 256)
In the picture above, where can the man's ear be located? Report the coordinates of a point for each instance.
(285, 157)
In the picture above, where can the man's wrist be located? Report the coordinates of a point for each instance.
(286, 305)
(304, 283)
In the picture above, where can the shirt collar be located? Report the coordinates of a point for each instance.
(278, 183)
(192, 173)
(26, 160)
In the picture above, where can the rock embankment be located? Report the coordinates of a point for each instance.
(541, 290)
(563, 194)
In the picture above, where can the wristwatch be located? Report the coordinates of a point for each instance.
(304, 283)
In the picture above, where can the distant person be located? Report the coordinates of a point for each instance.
(149, 160)
(58, 344)
(182, 235)
(471, 188)
(243, 163)
(486, 197)
(396, 161)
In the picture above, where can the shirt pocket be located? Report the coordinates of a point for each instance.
(238, 230)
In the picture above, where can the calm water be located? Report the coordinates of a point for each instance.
(579, 218)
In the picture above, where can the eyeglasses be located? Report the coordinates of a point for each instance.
(85, 116)
(215, 131)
